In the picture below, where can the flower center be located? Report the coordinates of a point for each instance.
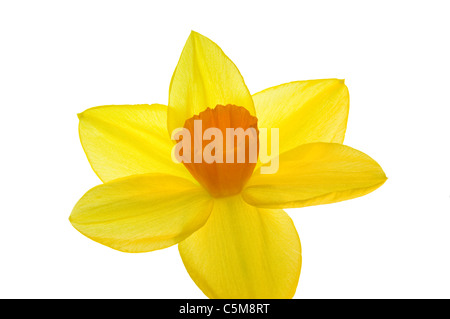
(225, 148)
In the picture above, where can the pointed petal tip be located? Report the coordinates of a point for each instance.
(342, 84)
(195, 34)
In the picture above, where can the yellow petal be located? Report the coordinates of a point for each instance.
(314, 174)
(142, 213)
(244, 252)
(304, 111)
(123, 140)
(204, 77)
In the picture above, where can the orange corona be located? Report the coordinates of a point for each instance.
(227, 175)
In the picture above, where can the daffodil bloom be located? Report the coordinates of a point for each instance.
(233, 236)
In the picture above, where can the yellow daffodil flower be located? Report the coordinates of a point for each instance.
(234, 238)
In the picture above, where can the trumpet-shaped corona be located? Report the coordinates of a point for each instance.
(222, 167)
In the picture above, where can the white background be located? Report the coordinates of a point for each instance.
(58, 58)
